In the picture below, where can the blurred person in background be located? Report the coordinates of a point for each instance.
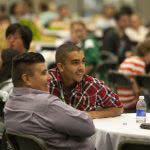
(20, 10)
(88, 43)
(132, 66)
(4, 23)
(63, 18)
(107, 20)
(2, 10)
(18, 37)
(46, 15)
(115, 40)
(63, 13)
(6, 85)
(136, 31)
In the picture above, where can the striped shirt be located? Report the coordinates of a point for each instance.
(88, 95)
(131, 66)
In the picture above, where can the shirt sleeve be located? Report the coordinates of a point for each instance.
(106, 97)
(67, 120)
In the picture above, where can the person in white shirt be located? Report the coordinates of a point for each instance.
(136, 32)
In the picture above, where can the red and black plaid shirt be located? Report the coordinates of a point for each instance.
(89, 94)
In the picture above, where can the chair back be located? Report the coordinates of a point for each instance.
(25, 142)
(116, 79)
(143, 81)
(134, 145)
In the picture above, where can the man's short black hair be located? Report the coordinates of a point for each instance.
(64, 49)
(22, 64)
(24, 31)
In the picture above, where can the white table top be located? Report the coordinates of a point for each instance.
(110, 131)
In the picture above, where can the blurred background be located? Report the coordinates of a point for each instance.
(89, 7)
(50, 22)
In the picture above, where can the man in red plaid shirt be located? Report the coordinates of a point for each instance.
(83, 92)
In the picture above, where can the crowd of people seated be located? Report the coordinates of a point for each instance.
(132, 66)
(36, 99)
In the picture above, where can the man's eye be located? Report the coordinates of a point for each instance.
(75, 62)
(83, 61)
(44, 72)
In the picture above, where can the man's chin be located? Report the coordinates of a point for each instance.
(79, 79)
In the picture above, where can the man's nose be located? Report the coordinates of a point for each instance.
(49, 77)
(82, 66)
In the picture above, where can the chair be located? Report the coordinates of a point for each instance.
(134, 144)
(25, 142)
(116, 79)
(143, 81)
(107, 56)
(104, 68)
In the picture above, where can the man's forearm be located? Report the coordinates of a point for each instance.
(106, 112)
(131, 105)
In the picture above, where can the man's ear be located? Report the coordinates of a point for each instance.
(26, 79)
(60, 67)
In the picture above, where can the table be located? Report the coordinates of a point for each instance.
(111, 131)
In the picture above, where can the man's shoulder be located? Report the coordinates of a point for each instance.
(32, 95)
(44, 98)
(33, 99)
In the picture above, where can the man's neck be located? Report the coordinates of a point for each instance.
(68, 84)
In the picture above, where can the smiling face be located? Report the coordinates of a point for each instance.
(73, 69)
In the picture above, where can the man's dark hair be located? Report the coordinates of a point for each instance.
(64, 49)
(127, 10)
(143, 48)
(22, 64)
(24, 31)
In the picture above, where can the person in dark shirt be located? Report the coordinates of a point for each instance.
(115, 40)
